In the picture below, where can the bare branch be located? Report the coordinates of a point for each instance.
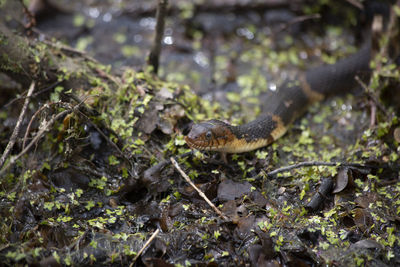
(145, 246)
(28, 129)
(297, 20)
(323, 191)
(154, 57)
(184, 175)
(39, 135)
(15, 133)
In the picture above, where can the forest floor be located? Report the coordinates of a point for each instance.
(92, 178)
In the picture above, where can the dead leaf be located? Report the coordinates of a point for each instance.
(343, 179)
(364, 200)
(363, 219)
(244, 227)
(230, 190)
(230, 210)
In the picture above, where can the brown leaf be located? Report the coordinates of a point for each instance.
(245, 227)
(363, 219)
(230, 190)
(343, 179)
(364, 200)
(230, 210)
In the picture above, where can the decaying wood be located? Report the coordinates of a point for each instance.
(26, 59)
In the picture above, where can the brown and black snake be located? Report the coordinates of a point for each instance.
(282, 107)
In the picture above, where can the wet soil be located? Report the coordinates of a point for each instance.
(97, 186)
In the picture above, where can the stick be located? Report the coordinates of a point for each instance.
(176, 165)
(39, 135)
(156, 169)
(15, 133)
(371, 96)
(154, 57)
(35, 94)
(318, 163)
(324, 190)
(297, 20)
(111, 143)
(145, 246)
(47, 105)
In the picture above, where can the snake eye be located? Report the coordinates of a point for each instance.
(208, 135)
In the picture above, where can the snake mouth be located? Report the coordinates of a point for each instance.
(201, 144)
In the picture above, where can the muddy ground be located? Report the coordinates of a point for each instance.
(97, 182)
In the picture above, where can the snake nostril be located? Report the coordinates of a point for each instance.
(194, 137)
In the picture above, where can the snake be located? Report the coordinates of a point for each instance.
(282, 106)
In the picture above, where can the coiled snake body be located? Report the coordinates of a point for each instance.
(281, 107)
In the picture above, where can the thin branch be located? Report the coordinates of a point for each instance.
(297, 20)
(105, 136)
(145, 246)
(83, 54)
(153, 170)
(33, 95)
(28, 129)
(323, 191)
(371, 96)
(15, 133)
(319, 163)
(66, 48)
(154, 57)
(184, 175)
(39, 135)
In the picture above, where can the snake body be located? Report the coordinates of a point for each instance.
(281, 107)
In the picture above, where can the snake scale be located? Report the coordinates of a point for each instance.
(282, 107)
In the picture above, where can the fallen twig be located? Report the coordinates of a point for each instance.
(184, 175)
(319, 163)
(67, 48)
(297, 20)
(32, 119)
(324, 189)
(15, 133)
(144, 246)
(39, 135)
(160, 166)
(111, 143)
(33, 95)
(83, 54)
(371, 96)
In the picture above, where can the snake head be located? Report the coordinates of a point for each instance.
(212, 135)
